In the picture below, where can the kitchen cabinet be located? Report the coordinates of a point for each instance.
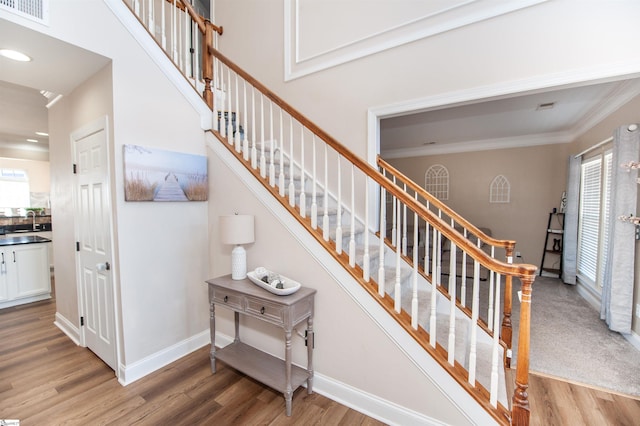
(24, 270)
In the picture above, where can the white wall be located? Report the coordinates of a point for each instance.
(38, 172)
(160, 248)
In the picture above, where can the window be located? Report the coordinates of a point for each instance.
(436, 181)
(500, 191)
(14, 188)
(593, 221)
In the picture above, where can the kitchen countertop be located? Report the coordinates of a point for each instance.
(23, 239)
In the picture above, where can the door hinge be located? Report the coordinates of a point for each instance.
(81, 321)
(77, 245)
(75, 170)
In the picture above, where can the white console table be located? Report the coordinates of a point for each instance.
(244, 297)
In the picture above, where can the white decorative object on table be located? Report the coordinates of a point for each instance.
(237, 229)
(273, 282)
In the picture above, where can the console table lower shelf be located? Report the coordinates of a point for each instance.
(244, 297)
(261, 366)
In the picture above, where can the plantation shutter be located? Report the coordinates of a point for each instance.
(589, 219)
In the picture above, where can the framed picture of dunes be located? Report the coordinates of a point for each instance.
(152, 174)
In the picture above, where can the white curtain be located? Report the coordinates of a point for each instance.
(617, 292)
(570, 240)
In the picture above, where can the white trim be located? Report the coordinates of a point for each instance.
(67, 328)
(419, 27)
(438, 376)
(480, 145)
(588, 294)
(128, 374)
(139, 32)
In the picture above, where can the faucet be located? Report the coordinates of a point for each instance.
(35, 226)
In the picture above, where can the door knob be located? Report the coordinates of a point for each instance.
(103, 266)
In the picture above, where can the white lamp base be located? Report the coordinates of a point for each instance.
(238, 263)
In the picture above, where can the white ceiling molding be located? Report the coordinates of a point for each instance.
(480, 145)
(308, 50)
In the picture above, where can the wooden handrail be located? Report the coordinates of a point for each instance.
(518, 270)
(198, 19)
(446, 209)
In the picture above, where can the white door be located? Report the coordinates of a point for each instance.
(94, 257)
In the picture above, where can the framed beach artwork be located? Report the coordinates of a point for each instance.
(152, 174)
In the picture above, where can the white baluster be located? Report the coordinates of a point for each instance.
(339, 217)
(163, 25)
(303, 195)
(383, 231)
(491, 288)
(463, 276)
(197, 54)
(452, 303)
(397, 296)
(263, 158)
(174, 32)
(292, 186)
(254, 151)
(216, 119)
(426, 248)
(281, 187)
(272, 167)
(414, 299)
(434, 289)
(136, 7)
(404, 226)
(185, 42)
(325, 217)
(366, 266)
(493, 397)
(314, 201)
(150, 17)
(475, 308)
(229, 121)
(236, 138)
(394, 221)
(352, 239)
(245, 137)
(223, 99)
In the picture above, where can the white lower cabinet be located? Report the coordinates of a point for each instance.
(24, 274)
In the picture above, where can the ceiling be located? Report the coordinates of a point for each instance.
(57, 68)
(552, 116)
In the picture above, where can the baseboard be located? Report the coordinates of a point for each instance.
(377, 408)
(588, 295)
(67, 328)
(634, 339)
(130, 373)
(356, 399)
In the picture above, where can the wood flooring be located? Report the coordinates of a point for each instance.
(45, 379)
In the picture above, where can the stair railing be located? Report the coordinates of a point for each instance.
(475, 235)
(269, 136)
(332, 192)
(184, 35)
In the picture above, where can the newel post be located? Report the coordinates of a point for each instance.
(506, 332)
(520, 402)
(207, 63)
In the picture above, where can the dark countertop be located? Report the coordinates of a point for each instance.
(23, 239)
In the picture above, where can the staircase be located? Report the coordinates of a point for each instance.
(432, 271)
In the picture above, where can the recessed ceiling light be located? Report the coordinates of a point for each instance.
(42, 133)
(15, 55)
(32, 140)
(547, 105)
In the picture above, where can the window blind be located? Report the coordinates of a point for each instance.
(589, 219)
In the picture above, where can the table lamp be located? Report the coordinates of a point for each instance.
(237, 229)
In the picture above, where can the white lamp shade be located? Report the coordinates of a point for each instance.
(237, 229)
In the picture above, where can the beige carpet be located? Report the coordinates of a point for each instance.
(569, 341)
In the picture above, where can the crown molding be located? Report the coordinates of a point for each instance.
(481, 145)
(464, 13)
